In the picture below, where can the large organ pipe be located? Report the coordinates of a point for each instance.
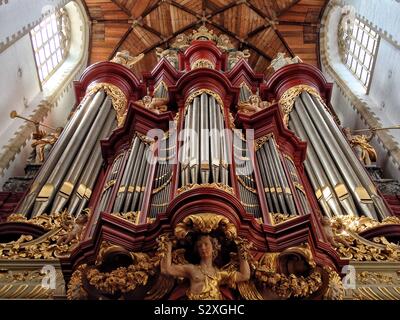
(224, 146)
(265, 183)
(204, 139)
(215, 140)
(332, 172)
(194, 143)
(110, 181)
(81, 158)
(134, 177)
(139, 188)
(186, 147)
(345, 149)
(281, 175)
(342, 164)
(270, 186)
(312, 164)
(49, 190)
(123, 189)
(55, 154)
(84, 186)
(275, 179)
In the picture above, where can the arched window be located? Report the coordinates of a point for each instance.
(358, 44)
(51, 42)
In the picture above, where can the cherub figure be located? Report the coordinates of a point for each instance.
(235, 56)
(332, 238)
(43, 143)
(75, 232)
(205, 278)
(253, 105)
(123, 57)
(363, 149)
(154, 104)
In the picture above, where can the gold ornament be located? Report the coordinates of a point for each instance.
(205, 223)
(119, 100)
(213, 185)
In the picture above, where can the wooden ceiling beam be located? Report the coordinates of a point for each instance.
(125, 10)
(153, 7)
(120, 42)
(245, 43)
(160, 43)
(220, 10)
(183, 8)
(256, 30)
(279, 34)
(298, 23)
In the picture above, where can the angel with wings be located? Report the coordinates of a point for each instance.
(154, 104)
(205, 278)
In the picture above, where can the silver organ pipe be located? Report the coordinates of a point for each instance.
(204, 139)
(334, 176)
(110, 181)
(123, 189)
(53, 183)
(204, 153)
(347, 156)
(134, 177)
(286, 191)
(162, 182)
(324, 193)
(55, 153)
(194, 141)
(281, 183)
(74, 171)
(245, 175)
(83, 189)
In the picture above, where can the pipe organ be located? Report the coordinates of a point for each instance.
(340, 182)
(196, 147)
(205, 150)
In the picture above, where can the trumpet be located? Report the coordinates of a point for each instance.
(14, 115)
(377, 129)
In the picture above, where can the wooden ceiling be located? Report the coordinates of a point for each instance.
(265, 27)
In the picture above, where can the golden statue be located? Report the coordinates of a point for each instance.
(205, 278)
(253, 105)
(363, 149)
(123, 57)
(43, 142)
(154, 104)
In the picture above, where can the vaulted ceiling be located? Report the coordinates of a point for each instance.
(265, 27)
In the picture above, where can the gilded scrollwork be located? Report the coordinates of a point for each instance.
(219, 186)
(119, 100)
(289, 97)
(63, 235)
(205, 223)
(335, 290)
(342, 233)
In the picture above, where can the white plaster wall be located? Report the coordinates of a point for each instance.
(19, 16)
(22, 92)
(19, 90)
(381, 105)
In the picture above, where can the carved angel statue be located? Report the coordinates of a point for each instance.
(154, 104)
(170, 54)
(253, 105)
(360, 144)
(123, 57)
(74, 229)
(44, 141)
(235, 56)
(281, 60)
(205, 278)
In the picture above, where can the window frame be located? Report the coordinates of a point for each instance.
(357, 52)
(61, 34)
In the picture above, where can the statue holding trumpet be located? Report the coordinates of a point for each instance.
(43, 141)
(361, 143)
